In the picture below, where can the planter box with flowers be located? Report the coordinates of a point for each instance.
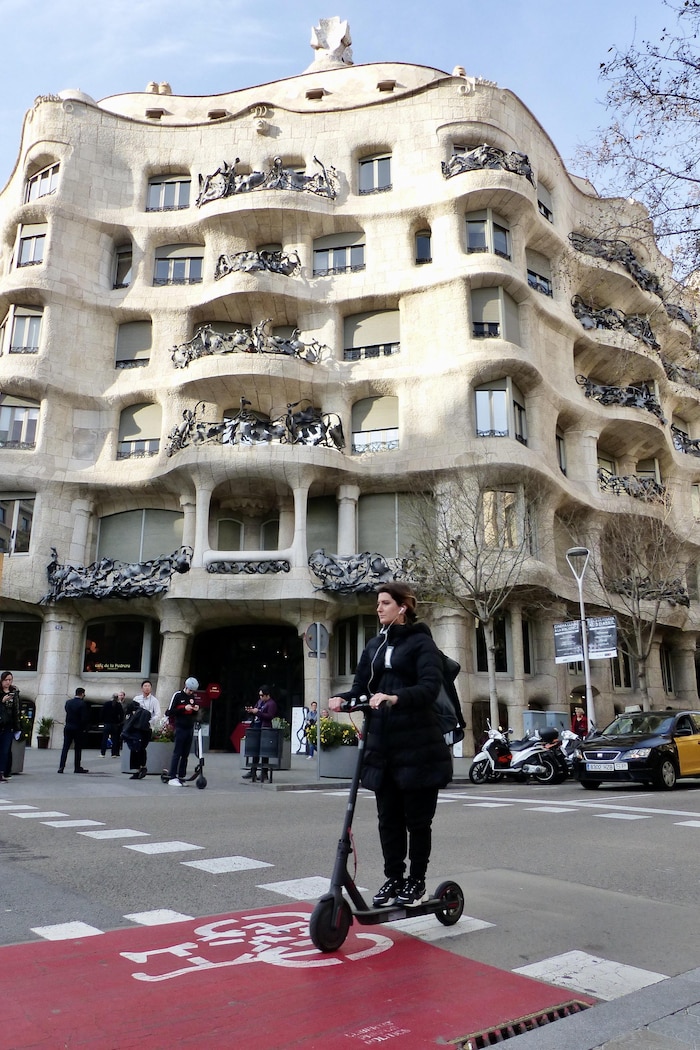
(160, 749)
(338, 755)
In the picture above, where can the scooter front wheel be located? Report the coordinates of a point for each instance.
(551, 774)
(201, 782)
(325, 936)
(479, 772)
(451, 896)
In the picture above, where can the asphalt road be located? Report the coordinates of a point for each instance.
(545, 870)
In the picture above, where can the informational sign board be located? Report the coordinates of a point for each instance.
(602, 637)
(568, 642)
(317, 639)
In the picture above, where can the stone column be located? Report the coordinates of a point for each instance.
(685, 680)
(347, 498)
(176, 639)
(582, 456)
(201, 539)
(189, 525)
(301, 498)
(452, 634)
(60, 641)
(81, 510)
(517, 702)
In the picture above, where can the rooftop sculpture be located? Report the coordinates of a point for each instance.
(331, 42)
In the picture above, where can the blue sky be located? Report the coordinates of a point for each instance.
(547, 52)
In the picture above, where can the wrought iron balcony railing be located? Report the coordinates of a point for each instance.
(646, 489)
(627, 396)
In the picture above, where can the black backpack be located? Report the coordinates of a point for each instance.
(446, 704)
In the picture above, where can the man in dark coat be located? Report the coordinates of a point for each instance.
(113, 720)
(184, 712)
(77, 718)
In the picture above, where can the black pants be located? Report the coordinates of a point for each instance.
(74, 737)
(181, 751)
(111, 732)
(405, 825)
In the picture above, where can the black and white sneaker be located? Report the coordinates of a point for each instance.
(387, 894)
(412, 894)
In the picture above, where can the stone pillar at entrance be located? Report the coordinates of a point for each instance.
(311, 683)
(58, 678)
(173, 655)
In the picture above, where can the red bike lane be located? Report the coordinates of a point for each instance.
(254, 979)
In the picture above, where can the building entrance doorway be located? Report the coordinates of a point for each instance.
(241, 659)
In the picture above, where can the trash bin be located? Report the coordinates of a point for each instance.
(266, 744)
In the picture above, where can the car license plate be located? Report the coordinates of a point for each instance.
(605, 767)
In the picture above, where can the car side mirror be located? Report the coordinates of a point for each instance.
(683, 732)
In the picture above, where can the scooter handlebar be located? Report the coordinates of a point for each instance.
(356, 703)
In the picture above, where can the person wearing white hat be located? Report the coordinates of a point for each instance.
(184, 712)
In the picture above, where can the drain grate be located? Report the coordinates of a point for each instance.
(499, 1034)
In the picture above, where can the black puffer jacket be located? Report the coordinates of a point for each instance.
(403, 739)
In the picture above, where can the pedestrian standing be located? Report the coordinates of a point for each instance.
(113, 720)
(136, 734)
(77, 718)
(311, 729)
(9, 721)
(263, 713)
(406, 760)
(183, 712)
(149, 701)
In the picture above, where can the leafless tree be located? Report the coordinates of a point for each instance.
(475, 533)
(649, 150)
(639, 571)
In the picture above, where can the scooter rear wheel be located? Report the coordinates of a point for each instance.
(453, 898)
(325, 936)
(201, 782)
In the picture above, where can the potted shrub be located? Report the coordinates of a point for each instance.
(43, 733)
(338, 755)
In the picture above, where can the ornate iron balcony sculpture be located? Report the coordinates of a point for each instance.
(485, 156)
(626, 396)
(646, 489)
(207, 341)
(225, 181)
(306, 426)
(108, 578)
(248, 568)
(619, 252)
(359, 573)
(288, 264)
(671, 591)
(679, 374)
(607, 317)
(681, 441)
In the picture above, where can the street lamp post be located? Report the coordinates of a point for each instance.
(577, 558)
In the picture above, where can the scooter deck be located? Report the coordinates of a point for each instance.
(393, 912)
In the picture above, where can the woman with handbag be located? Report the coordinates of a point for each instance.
(406, 759)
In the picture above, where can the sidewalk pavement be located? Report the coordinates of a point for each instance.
(663, 1016)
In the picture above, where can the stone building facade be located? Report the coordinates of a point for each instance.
(241, 329)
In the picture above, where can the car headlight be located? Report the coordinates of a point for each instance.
(637, 752)
(578, 754)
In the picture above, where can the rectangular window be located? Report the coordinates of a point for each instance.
(41, 184)
(345, 259)
(375, 174)
(666, 660)
(26, 327)
(178, 271)
(19, 648)
(32, 240)
(500, 241)
(16, 517)
(122, 266)
(527, 647)
(500, 647)
(168, 194)
(491, 413)
(476, 235)
(621, 670)
(500, 518)
(561, 452)
(18, 426)
(539, 283)
(423, 247)
(695, 501)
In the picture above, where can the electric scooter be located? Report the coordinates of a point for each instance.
(198, 774)
(333, 915)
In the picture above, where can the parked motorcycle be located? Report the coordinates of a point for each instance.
(539, 756)
(569, 742)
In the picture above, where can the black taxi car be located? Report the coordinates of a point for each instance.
(647, 747)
